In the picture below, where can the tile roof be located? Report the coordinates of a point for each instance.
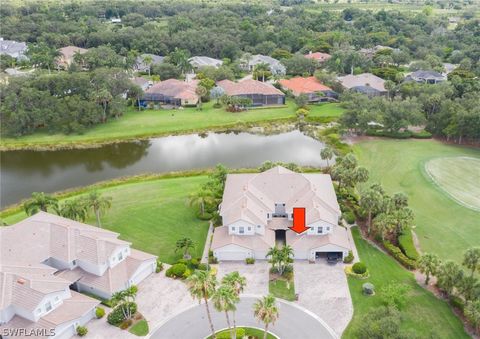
(175, 88)
(299, 85)
(304, 241)
(258, 242)
(68, 52)
(422, 74)
(13, 48)
(365, 79)
(202, 61)
(319, 56)
(248, 86)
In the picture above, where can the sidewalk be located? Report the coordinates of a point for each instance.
(207, 244)
(351, 241)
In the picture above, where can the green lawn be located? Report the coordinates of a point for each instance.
(423, 313)
(139, 329)
(249, 331)
(152, 215)
(443, 226)
(280, 289)
(148, 122)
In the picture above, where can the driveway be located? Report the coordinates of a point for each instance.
(323, 289)
(293, 322)
(256, 274)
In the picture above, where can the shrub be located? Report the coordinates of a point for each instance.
(250, 261)
(394, 294)
(301, 112)
(176, 270)
(368, 288)
(359, 268)
(349, 258)
(226, 334)
(99, 312)
(193, 263)
(217, 105)
(421, 135)
(405, 242)
(159, 266)
(126, 324)
(212, 260)
(187, 273)
(117, 315)
(349, 217)
(210, 253)
(82, 331)
(205, 216)
(349, 272)
(457, 302)
(398, 254)
(388, 134)
(202, 267)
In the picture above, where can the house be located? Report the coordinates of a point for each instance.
(171, 92)
(257, 211)
(13, 48)
(365, 83)
(449, 68)
(203, 61)
(319, 56)
(261, 93)
(116, 20)
(311, 87)
(143, 83)
(370, 52)
(274, 65)
(67, 54)
(427, 77)
(142, 66)
(46, 261)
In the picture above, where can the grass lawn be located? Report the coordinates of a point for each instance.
(152, 215)
(148, 122)
(140, 328)
(443, 226)
(280, 289)
(249, 331)
(423, 312)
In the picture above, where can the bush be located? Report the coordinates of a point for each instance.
(82, 331)
(99, 312)
(193, 263)
(398, 254)
(457, 302)
(349, 258)
(405, 242)
(202, 267)
(388, 134)
(159, 266)
(421, 135)
(349, 217)
(349, 272)
(359, 268)
(226, 334)
(187, 273)
(126, 324)
(368, 289)
(205, 216)
(217, 105)
(250, 261)
(116, 316)
(301, 113)
(212, 260)
(176, 270)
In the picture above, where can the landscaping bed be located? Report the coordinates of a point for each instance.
(250, 332)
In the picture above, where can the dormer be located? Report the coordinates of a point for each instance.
(120, 254)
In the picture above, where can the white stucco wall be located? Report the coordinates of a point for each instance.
(326, 227)
(147, 268)
(234, 228)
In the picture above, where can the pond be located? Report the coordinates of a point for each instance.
(24, 172)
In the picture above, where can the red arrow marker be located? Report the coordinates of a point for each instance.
(299, 220)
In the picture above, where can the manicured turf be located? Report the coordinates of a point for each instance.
(442, 225)
(162, 122)
(153, 215)
(140, 329)
(423, 312)
(280, 289)
(254, 332)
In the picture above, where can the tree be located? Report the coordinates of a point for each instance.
(238, 283)
(98, 203)
(262, 71)
(74, 209)
(301, 100)
(266, 311)
(40, 202)
(201, 199)
(179, 58)
(147, 60)
(274, 255)
(224, 300)
(394, 294)
(326, 154)
(285, 257)
(379, 323)
(299, 65)
(185, 244)
(371, 202)
(202, 285)
(124, 299)
(471, 259)
(201, 92)
(166, 71)
(347, 172)
(469, 288)
(428, 265)
(472, 312)
(449, 276)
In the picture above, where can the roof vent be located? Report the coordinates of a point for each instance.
(21, 281)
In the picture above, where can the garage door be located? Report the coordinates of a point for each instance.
(147, 270)
(237, 255)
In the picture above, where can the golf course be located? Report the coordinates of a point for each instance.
(442, 183)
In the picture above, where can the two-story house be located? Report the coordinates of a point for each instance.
(257, 211)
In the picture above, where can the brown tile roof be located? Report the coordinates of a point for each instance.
(259, 242)
(299, 85)
(321, 57)
(176, 89)
(360, 80)
(248, 86)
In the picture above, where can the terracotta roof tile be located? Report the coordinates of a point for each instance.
(301, 85)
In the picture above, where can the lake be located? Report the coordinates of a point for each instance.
(24, 172)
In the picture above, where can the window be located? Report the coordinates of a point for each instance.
(320, 230)
(233, 228)
(74, 262)
(48, 306)
(120, 256)
(328, 228)
(249, 228)
(241, 230)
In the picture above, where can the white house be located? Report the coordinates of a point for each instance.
(46, 261)
(275, 66)
(198, 62)
(257, 211)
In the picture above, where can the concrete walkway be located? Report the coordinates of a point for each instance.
(207, 244)
(351, 241)
(293, 322)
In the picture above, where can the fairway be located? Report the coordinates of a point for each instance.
(442, 225)
(459, 177)
(152, 215)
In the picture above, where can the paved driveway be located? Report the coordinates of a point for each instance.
(256, 274)
(292, 323)
(323, 289)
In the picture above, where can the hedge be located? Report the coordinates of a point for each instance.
(349, 258)
(398, 254)
(176, 271)
(405, 242)
(116, 317)
(349, 217)
(359, 268)
(421, 135)
(388, 134)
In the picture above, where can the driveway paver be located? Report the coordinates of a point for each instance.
(256, 274)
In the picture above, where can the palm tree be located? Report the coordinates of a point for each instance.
(266, 311)
(39, 202)
(201, 91)
(201, 285)
(201, 198)
(471, 259)
(147, 60)
(238, 283)
(274, 254)
(74, 209)
(326, 154)
(371, 201)
(428, 264)
(261, 70)
(449, 276)
(185, 244)
(382, 224)
(224, 300)
(98, 203)
(285, 257)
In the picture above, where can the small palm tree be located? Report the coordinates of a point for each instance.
(202, 285)
(238, 283)
(266, 311)
(201, 198)
(200, 91)
(428, 264)
(74, 209)
(285, 257)
(471, 259)
(185, 244)
(40, 202)
(326, 154)
(98, 203)
(147, 60)
(274, 255)
(224, 300)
